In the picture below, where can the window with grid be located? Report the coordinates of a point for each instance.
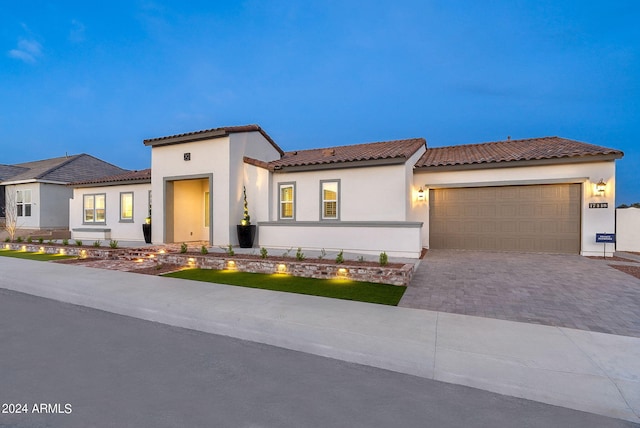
(94, 208)
(330, 200)
(23, 203)
(287, 202)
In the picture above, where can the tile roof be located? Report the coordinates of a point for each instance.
(512, 150)
(210, 133)
(386, 150)
(131, 177)
(64, 169)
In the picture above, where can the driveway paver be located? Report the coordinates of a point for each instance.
(557, 290)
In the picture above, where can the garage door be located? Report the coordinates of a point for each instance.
(540, 218)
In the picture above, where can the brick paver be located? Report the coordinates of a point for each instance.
(558, 290)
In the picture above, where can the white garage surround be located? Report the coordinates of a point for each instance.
(593, 217)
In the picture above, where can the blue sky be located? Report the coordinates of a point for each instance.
(99, 77)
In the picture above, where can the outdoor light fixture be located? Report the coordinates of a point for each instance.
(24, 248)
(6, 246)
(601, 186)
(343, 272)
(231, 264)
(281, 268)
(61, 251)
(83, 254)
(42, 249)
(191, 261)
(421, 194)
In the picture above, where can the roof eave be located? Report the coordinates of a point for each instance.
(521, 163)
(341, 165)
(110, 183)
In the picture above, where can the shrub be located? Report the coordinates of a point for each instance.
(7, 239)
(40, 240)
(203, 250)
(286, 253)
(263, 253)
(113, 244)
(19, 239)
(50, 241)
(96, 243)
(29, 240)
(361, 259)
(300, 255)
(78, 243)
(65, 241)
(323, 253)
(230, 251)
(340, 257)
(183, 248)
(383, 259)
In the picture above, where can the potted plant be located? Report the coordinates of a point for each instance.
(246, 230)
(146, 230)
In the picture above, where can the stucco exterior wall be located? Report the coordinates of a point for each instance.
(206, 157)
(32, 221)
(397, 239)
(253, 145)
(54, 206)
(366, 194)
(594, 220)
(113, 228)
(628, 229)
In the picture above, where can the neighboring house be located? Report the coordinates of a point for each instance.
(40, 192)
(542, 195)
(111, 208)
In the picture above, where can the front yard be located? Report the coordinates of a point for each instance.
(335, 288)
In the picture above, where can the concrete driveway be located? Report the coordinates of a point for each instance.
(556, 290)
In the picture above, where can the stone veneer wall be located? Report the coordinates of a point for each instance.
(379, 274)
(69, 250)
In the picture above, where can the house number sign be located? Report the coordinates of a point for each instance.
(598, 205)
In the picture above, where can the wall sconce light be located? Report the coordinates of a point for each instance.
(601, 186)
(421, 195)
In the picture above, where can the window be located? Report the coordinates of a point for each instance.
(329, 191)
(287, 201)
(126, 206)
(94, 208)
(23, 203)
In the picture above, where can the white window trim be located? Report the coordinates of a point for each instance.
(23, 203)
(291, 184)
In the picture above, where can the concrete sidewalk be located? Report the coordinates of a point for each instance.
(582, 370)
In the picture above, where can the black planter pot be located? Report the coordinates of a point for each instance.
(246, 235)
(146, 231)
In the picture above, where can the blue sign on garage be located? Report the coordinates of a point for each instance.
(606, 237)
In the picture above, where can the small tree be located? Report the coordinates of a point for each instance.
(11, 212)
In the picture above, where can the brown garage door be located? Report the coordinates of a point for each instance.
(540, 218)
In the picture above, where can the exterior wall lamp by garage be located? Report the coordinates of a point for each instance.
(421, 195)
(601, 186)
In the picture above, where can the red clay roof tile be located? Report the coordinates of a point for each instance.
(397, 149)
(511, 150)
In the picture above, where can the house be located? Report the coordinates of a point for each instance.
(39, 191)
(111, 208)
(546, 194)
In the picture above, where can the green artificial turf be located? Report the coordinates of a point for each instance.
(335, 288)
(33, 256)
